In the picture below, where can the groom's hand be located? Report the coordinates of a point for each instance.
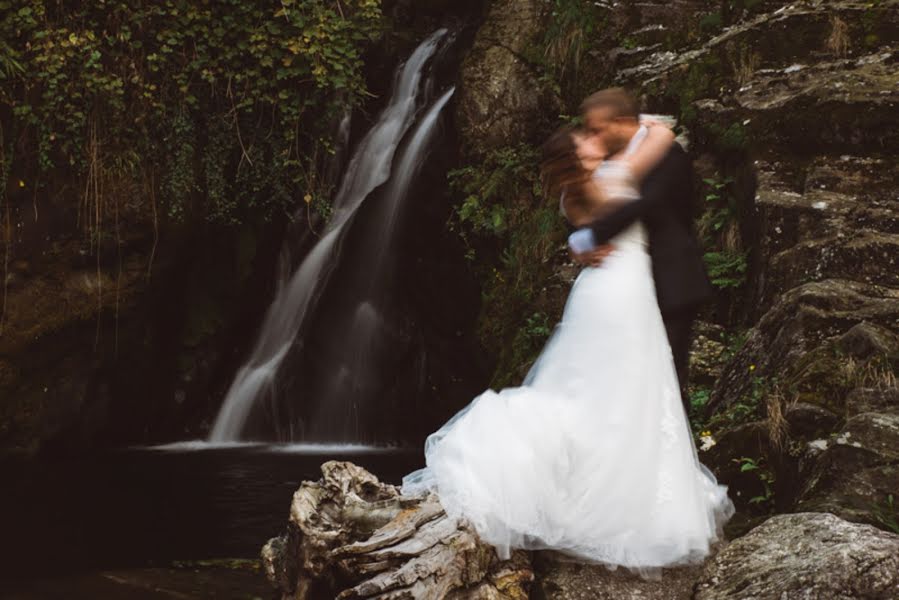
(592, 258)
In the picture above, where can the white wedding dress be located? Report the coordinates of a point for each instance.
(593, 455)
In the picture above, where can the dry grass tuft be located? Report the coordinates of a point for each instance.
(838, 41)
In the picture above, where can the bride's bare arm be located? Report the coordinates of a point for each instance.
(651, 152)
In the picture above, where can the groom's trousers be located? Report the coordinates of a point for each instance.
(679, 325)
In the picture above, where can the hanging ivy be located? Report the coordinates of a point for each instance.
(226, 102)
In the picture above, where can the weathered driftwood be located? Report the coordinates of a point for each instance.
(351, 537)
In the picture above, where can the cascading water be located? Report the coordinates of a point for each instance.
(354, 365)
(370, 167)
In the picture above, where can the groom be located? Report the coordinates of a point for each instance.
(665, 207)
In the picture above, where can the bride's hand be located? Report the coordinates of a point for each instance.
(656, 120)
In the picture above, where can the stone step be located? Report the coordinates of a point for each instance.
(784, 35)
(836, 217)
(830, 107)
(866, 256)
(804, 325)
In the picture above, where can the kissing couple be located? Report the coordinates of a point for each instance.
(593, 455)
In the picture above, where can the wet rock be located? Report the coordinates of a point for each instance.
(859, 97)
(866, 340)
(869, 257)
(780, 37)
(806, 555)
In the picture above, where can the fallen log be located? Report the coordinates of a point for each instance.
(351, 537)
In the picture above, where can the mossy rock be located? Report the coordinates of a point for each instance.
(796, 338)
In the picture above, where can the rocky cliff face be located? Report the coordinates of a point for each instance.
(792, 108)
(501, 99)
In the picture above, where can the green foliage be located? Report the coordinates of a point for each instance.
(699, 399)
(572, 24)
(726, 269)
(726, 264)
(765, 475)
(490, 190)
(747, 408)
(215, 98)
(537, 327)
(512, 237)
(720, 208)
(733, 138)
(569, 35)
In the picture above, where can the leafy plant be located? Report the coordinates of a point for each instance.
(699, 398)
(492, 190)
(221, 101)
(512, 236)
(765, 477)
(571, 25)
(537, 327)
(726, 263)
(726, 269)
(747, 407)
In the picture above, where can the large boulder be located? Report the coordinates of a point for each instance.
(807, 555)
(796, 343)
(854, 473)
(501, 99)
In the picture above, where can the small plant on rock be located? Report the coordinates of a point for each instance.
(765, 475)
(887, 515)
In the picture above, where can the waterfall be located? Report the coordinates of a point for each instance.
(370, 167)
(356, 367)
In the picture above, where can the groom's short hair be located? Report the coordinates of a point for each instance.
(622, 102)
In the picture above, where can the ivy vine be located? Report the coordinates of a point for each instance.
(228, 104)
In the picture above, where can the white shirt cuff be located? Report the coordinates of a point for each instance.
(582, 241)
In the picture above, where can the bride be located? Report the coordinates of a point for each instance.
(593, 455)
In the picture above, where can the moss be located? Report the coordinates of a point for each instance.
(826, 376)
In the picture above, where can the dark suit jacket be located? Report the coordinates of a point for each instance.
(666, 208)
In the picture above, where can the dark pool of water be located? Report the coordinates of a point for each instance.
(138, 508)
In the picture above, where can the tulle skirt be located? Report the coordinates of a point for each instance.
(593, 455)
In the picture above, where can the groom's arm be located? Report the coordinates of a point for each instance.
(671, 175)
